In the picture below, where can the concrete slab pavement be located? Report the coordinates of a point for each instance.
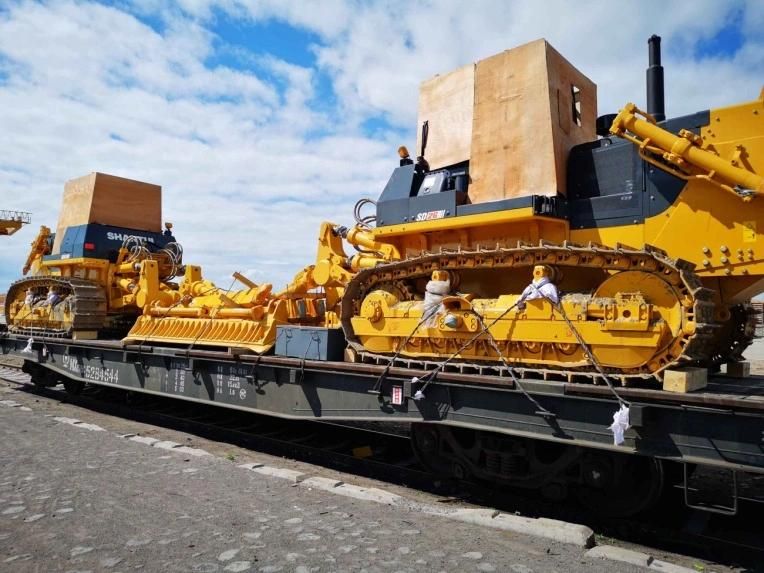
(74, 498)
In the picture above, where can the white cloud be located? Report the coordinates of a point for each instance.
(92, 88)
(250, 160)
(328, 18)
(378, 53)
(380, 60)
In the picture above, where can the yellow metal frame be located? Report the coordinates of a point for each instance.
(12, 221)
(722, 233)
(465, 221)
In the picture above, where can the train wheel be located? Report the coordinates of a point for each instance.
(438, 453)
(425, 442)
(73, 387)
(41, 377)
(619, 484)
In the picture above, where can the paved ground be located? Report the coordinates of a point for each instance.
(73, 499)
(79, 500)
(755, 353)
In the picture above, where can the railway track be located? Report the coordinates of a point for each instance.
(383, 451)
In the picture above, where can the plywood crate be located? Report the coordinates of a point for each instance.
(527, 108)
(109, 200)
(446, 103)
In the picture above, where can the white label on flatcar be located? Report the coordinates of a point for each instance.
(101, 374)
(397, 395)
(219, 380)
(72, 364)
(179, 381)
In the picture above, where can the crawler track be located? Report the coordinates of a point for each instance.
(686, 348)
(742, 332)
(84, 300)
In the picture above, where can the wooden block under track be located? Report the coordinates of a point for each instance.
(85, 335)
(685, 380)
(351, 355)
(739, 369)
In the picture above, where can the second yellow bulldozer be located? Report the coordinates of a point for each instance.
(90, 276)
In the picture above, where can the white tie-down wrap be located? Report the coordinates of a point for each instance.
(541, 288)
(433, 296)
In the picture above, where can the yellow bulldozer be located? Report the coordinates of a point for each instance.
(83, 279)
(107, 262)
(110, 268)
(527, 234)
(647, 262)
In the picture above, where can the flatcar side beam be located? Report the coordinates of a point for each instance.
(724, 437)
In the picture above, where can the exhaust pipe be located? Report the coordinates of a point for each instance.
(656, 105)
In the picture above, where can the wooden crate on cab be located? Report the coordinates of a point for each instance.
(514, 117)
(531, 107)
(109, 200)
(446, 103)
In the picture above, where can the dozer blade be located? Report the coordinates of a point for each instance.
(256, 336)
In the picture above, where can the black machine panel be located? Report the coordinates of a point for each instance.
(412, 195)
(402, 184)
(608, 185)
(604, 183)
(97, 241)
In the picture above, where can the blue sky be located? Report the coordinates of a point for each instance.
(261, 118)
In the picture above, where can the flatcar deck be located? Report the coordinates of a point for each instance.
(721, 426)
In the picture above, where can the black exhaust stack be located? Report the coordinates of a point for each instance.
(656, 105)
